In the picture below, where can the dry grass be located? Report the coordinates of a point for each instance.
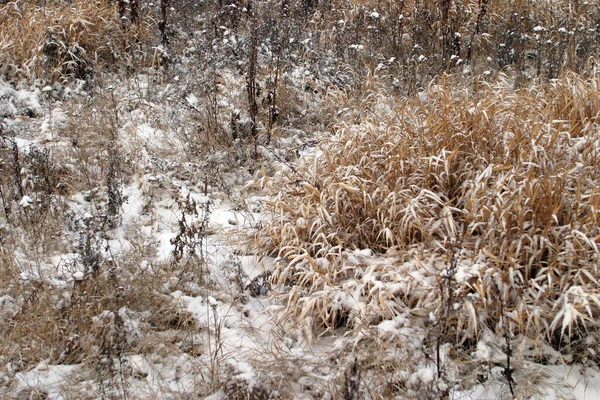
(62, 39)
(466, 197)
(506, 179)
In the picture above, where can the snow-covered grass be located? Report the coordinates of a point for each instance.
(482, 205)
(438, 243)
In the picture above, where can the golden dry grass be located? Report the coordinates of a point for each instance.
(507, 178)
(62, 38)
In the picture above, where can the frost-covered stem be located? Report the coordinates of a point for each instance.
(205, 221)
(446, 33)
(218, 342)
(289, 165)
(482, 12)
(114, 191)
(116, 343)
(17, 169)
(89, 255)
(251, 81)
(506, 334)
(450, 271)
(351, 390)
(116, 112)
(509, 377)
(28, 301)
(447, 301)
(438, 356)
(5, 209)
(273, 112)
(539, 49)
(162, 25)
(212, 111)
(214, 359)
(120, 335)
(122, 9)
(113, 182)
(508, 369)
(135, 14)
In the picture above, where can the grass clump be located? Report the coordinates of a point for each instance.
(485, 203)
(63, 39)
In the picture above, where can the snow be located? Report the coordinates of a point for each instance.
(388, 326)
(425, 375)
(219, 395)
(576, 381)
(147, 132)
(8, 306)
(246, 372)
(49, 378)
(560, 382)
(192, 100)
(78, 276)
(26, 201)
(18, 102)
(212, 302)
(363, 253)
(484, 352)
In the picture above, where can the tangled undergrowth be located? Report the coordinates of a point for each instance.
(481, 205)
